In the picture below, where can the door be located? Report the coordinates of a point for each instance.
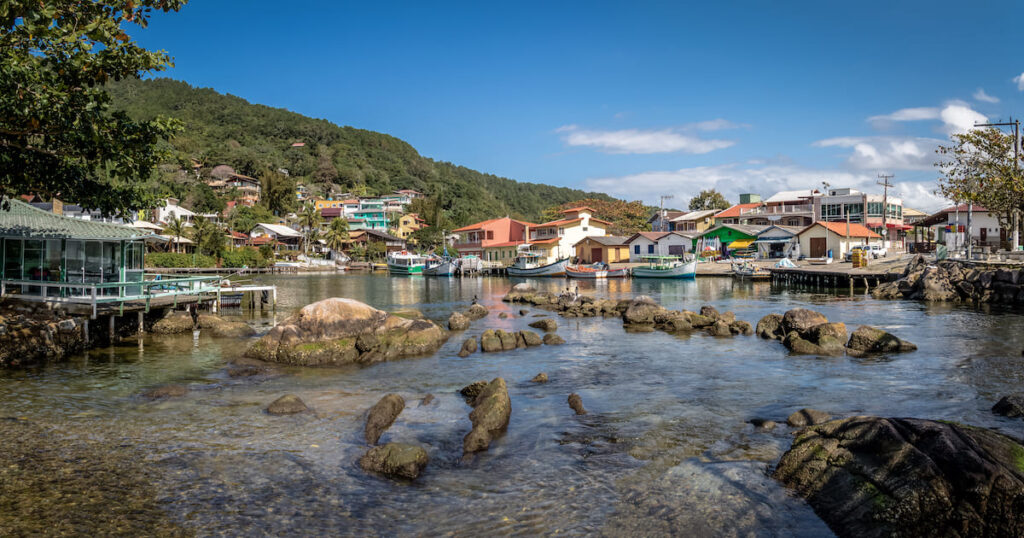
(818, 247)
(675, 250)
(984, 235)
(596, 255)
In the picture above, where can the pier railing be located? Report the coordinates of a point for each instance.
(99, 293)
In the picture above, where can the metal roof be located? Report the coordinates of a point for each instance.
(24, 221)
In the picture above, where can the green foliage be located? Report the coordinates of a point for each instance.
(58, 132)
(357, 252)
(209, 238)
(202, 199)
(246, 257)
(709, 199)
(626, 217)
(337, 234)
(427, 238)
(255, 139)
(979, 168)
(178, 259)
(175, 229)
(244, 218)
(376, 250)
(278, 192)
(267, 252)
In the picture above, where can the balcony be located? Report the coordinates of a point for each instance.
(800, 209)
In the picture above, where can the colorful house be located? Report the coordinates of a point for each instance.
(556, 240)
(607, 249)
(694, 222)
(643, 244)
(733, 214)
(728, 240)
(407, 224)
(497, 233)
(818, 239)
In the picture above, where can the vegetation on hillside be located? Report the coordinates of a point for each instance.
(626, 217)
(259, 141)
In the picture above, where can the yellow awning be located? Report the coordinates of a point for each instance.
(741, 243)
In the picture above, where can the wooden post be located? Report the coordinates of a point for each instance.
(142, 326)
(274, 304)
(85, 331)
(112, 331)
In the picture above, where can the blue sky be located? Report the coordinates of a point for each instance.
(634, 99)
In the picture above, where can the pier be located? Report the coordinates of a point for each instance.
(831, 277)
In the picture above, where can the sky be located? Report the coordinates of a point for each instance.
(635, 99)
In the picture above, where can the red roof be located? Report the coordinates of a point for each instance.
(237, 235)
(545, 241)
(578, 209)
(332, 211)
(481, 224)
(735, 210)
(856, 230)
(558, 223)
(962, 208)
(264, 240)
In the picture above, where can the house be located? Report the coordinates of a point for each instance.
(949, 227)
(733, 214)
(407, 224)
(474, 238)
(607, 249)
(503, 253)
(728, 240)
(778, 242)
(362, 237)
(661, 220)
(373, 214)
(643, 244)
(224, 180)
(694, 222)
(281, 234)
(555, 240)
(236, 239)
(820, 238)
(788, 208)
(330, 213)
(172, 210)
(883, 215)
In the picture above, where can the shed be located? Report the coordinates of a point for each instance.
(607, 249)
(728, 239)
(643, 244)
(777, 241)
(821, 237)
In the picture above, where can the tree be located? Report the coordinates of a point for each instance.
(175, 229)
(244, 218)
(277, 192)
(709, 199)
(375, 250)
(394, 221)
(337, 234)
(208, 236)
(202, 199)
(310, 220)
(57, 130)
(626, 217)
(979, 168)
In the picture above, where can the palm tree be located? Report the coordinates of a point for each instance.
(310, 219)
(337, 234)
(206, 234)
(175, 229)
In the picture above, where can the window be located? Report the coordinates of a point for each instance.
(636, 249)
(490, 234)
(650, 249)
(584, 228)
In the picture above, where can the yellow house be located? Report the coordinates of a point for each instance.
(503, 253)
(407, 224)
(322, 203)
(607, 249)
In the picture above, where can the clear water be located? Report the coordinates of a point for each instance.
(664, 449)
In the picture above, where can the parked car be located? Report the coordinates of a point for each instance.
(874, 251)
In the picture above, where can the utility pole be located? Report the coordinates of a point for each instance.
(661, 215)
(1015, 125)
(885, 202)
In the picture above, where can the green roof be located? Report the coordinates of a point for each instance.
(24, 221)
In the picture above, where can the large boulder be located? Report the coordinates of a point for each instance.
(741, 327)
(530, 338)
(545, 324)
(867, 339)
(173, 323)
(673, 321)
(491, 411)
(770, 326)
(507, 339)
(289, 404)
(642, 310)
(398, 460)
(801, 320)
(934, 285)
(874, 477)
(802, 346)
(457, 322)
(489, 341)
(381, 416)
(341, 331)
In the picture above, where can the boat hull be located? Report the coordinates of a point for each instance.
(441, 269)
(395, 269)
(686, 270)
(552, 269)
(572, 272)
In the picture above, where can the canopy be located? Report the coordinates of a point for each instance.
(741, 243)
(774, 240)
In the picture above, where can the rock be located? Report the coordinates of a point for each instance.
(523, 313)
(457, 322)
(427, 400)
(468, 347)
(398, 460)
(540, 378)
(552, 339)
(719, 328)
(763, 424)
(1010, 406)
(641, 311)
(545, 324)
(801, 320)
(709, 312)
(507, 339)
(67, 325)
(491, 411)
(868, 339)
(673, 322)
(476, 311)
(698, 321)
(741, 327)
(807, 417)
(289, 404)
(165, 391)
(874, 477)
(520, 341)
(489, 341)
(220, 327)
(503, 315)
(836, 331)
(173, 323)
(243, 367)
(408, 313)
(770, 327)
(327, 333)
(382, 415)
(887, 290)
(530, 338)
(576, 403)
(472, 390)
(727, 317)
(801, 346)
(934, 285)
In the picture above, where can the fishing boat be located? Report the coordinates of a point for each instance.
(441, 266)
(597, 270)
(749, 271)
(406, 263)
(527, 263)
(666, 267)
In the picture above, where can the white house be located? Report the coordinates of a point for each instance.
(950, 226)
(778, 242)
(172, 210)
(658, 244)
(277, 232)
(839, 237)
(556, 240)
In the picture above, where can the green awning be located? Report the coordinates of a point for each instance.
(26, 222)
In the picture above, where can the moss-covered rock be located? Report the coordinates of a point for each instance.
(397, 460)
(491, 411)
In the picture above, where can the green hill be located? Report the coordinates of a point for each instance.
(223, 129)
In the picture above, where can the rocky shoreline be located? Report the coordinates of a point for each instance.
(956, 281)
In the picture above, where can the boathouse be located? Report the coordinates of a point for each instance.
(727, 240)
(607, 249)
(777, 241)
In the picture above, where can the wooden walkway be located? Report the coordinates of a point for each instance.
(823, 276)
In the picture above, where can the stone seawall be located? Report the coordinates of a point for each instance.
(957, 281)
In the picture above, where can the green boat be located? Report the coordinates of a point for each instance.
(666, 267)
(406, 263)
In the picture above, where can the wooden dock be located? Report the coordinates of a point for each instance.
(824, 276)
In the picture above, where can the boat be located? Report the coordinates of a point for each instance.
(749, 271)
(666, 267)
(406, 263)
(597, 270)
(527, 263)
(441, 266)
(820, 261)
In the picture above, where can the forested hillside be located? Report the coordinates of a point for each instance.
(258, 140)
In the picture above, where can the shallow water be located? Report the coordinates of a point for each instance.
(665, 447)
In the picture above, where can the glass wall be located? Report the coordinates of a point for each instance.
(73, 261)
(12, 259)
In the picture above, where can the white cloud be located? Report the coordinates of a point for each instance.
(908, 114)
(1019, 79)
(980, 95)
(956, 116)
(960, 117)
(640, 141)
(886, 153)
(713, 125)
(732, 180)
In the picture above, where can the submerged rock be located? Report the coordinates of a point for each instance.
(491, 411)
(540, 378)
(552, 339)
(1010, 406)
(468, 347)
(576, 403)
(807, 417)
(503, 315)
(381, 416)
(243, 367)
(763, 424)
(472, 390)
(523, 313)
(398, 460)
(341, 331)
(867, 339)
(545, 324)
(218, 326)
(874, 477)
(427, 400)
(165, 391)
(457, 322)
(175, 322)
(289, 404)
(408, 313)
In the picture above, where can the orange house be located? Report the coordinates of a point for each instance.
(473, 239)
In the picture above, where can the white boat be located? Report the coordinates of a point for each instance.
(597, 270)
(527, 263)
(666, 267)
(406, 263)
(441, 267)
(749, 271)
